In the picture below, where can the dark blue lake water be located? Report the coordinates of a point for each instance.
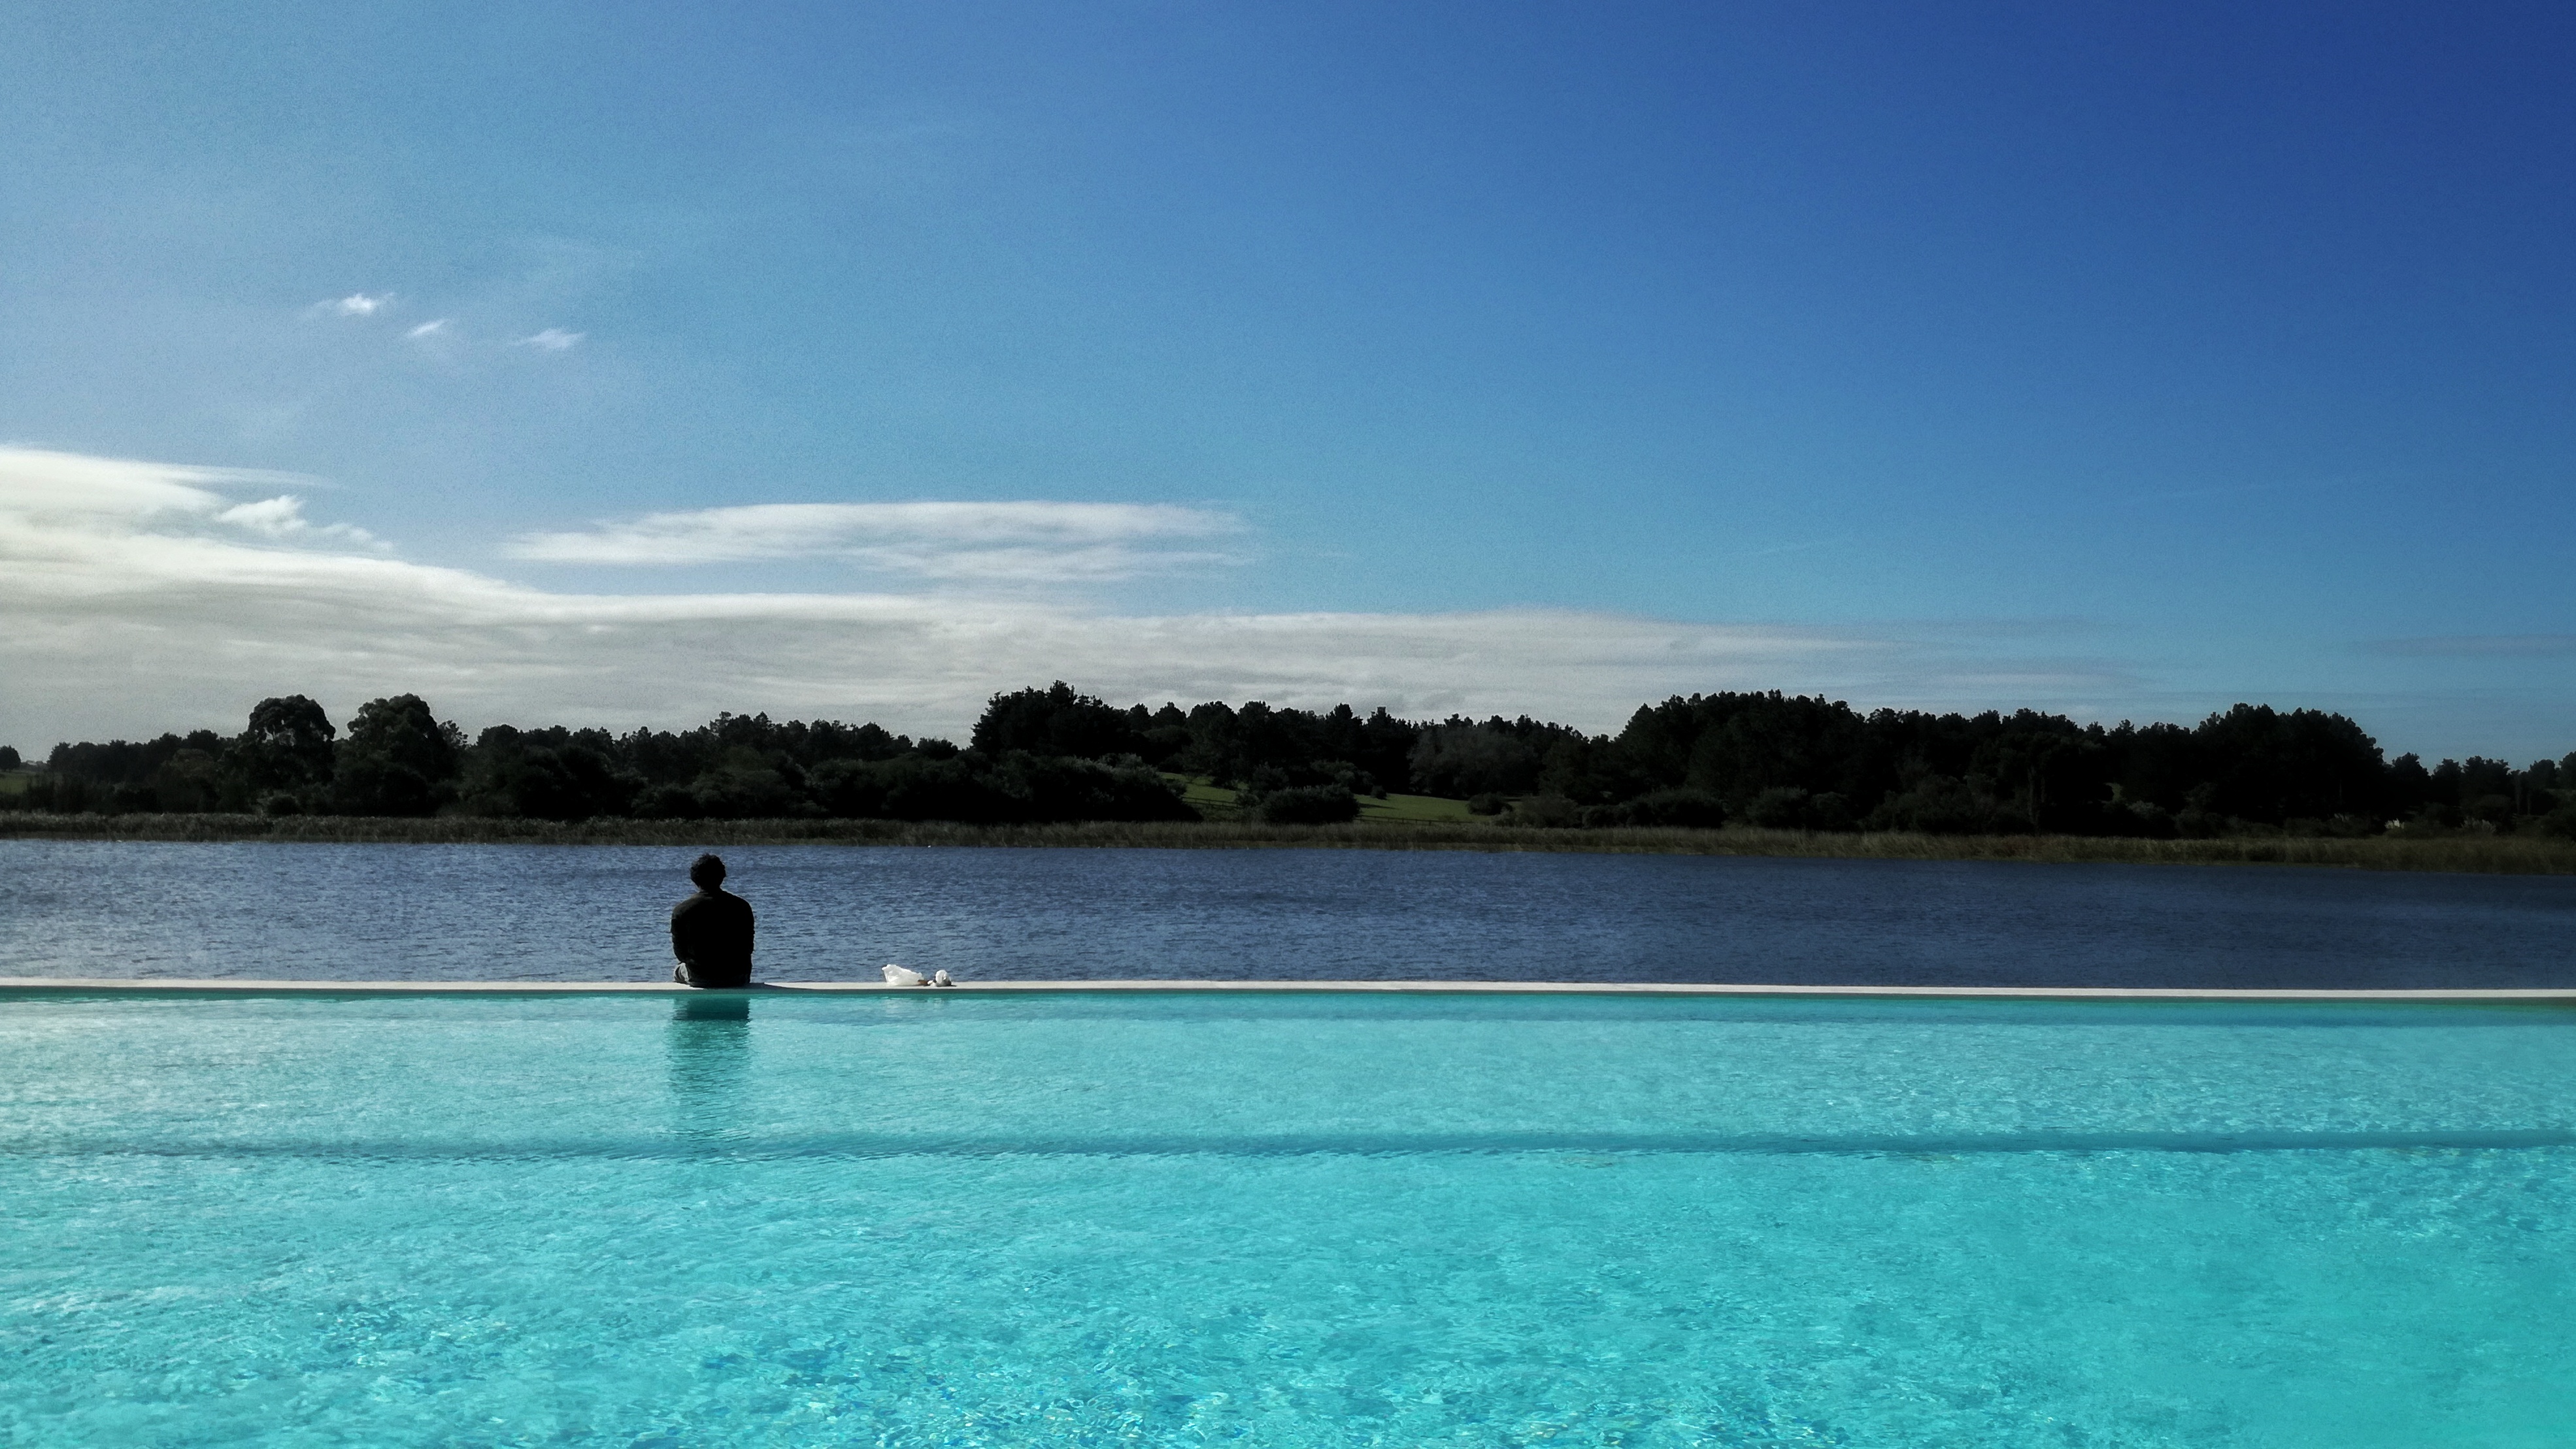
(596, 913)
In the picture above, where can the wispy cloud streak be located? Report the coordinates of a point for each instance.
(992, 542)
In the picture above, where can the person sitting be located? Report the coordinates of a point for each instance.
(711, 931)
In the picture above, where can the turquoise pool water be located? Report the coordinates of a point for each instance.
(1282, 1220)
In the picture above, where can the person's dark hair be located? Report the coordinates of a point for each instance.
(707, 872)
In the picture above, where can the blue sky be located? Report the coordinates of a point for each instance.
(2121, 360)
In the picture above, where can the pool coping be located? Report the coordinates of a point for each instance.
(86, 985)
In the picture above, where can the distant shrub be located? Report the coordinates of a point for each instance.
(2495, 810)
(926, 786)
(1688, 809)
(2194, 824)
(2136, 819)
(1782, 807)
(1046, 788)
(1310, 805)
(1488, 803)
(1940, 805)
(1019, 788)
(1548, 812)
(1463, 759)
(2333, 827)
(56, 793)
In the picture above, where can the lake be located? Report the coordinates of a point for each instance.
(597, 913)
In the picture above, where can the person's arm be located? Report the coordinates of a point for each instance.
(679, 934)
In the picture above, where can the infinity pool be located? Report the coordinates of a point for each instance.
(1282, 1220)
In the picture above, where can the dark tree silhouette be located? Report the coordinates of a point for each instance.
(1055, 721)
(287, 746)
(1054, 753)
(397, 760)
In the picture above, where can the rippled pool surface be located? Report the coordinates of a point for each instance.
(1282, 1220)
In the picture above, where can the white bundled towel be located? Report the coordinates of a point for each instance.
(904, 976)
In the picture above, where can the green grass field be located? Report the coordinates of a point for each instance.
(1426, 809)
(1207, 799)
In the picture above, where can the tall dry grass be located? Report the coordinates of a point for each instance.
(2510, 854)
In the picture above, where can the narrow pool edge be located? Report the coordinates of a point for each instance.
(233, 987)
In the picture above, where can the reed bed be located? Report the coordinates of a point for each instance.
(2509, 855)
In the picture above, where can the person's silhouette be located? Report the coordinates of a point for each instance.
(711, 931)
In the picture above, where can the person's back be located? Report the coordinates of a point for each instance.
(711, 932)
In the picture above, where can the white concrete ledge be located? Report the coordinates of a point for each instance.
(220, 987)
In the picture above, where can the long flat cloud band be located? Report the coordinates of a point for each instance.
(142, 596)
(996, 542)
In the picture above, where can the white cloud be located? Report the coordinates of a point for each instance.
(282, 519)
(434, 328)
(63, 494)
(990, 542)
(553, 339)
(139, 597)
(359, 304)
(46, 486)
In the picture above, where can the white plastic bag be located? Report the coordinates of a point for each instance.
(904, 976)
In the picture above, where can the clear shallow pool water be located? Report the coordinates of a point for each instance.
(597, 913)
(1282, 1220)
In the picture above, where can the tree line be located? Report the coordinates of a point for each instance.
(1053, 753)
